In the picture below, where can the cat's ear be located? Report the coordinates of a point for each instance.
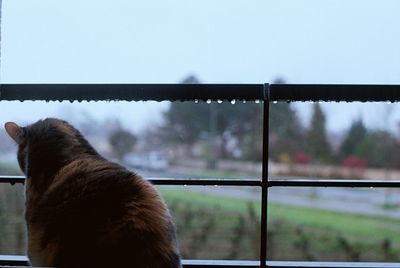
(16, 132)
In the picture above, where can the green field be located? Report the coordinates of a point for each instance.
(299, 233)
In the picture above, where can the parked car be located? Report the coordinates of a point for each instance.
(151, 161)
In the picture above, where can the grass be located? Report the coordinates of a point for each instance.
(295, 233)
(337, 221)
(206, 200)
(348, 224)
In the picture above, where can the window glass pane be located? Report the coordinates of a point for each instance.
(164, 140)
(157, 139)
(212, 222)
(335, 140)
(216, 222)
(333, 224)
(12, 222)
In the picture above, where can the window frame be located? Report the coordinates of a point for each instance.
(265, 93)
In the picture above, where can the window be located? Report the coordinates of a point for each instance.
(266, 93)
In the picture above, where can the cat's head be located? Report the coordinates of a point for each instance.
(47, 145)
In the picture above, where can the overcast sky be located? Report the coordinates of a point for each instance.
(224, 41)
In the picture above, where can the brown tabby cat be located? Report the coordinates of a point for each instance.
(84, 211)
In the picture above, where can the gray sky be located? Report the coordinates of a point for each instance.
(224, 41)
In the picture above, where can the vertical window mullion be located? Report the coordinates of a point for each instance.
(264, 179)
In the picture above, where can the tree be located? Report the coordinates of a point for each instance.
(354, 137)
(317, 144)
(380, 148)
(246, 125)
(186, 123)
(122, 142)
(286, 132)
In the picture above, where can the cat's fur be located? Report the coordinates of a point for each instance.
(84, 211)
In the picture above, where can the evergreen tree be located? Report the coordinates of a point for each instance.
(380, 149)
(286, 132)
(354, 137)
(317, 142)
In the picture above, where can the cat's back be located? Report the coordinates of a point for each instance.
(105, 215)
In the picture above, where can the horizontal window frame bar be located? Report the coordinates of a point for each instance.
(333, 92)
(13, 260)
(167, 181)
(12, 179)
(301, 264)
(131, 92)
(192, 92)
(206, 182)
(16, 260)
(254, 182)
(334, 183)
(219, 264)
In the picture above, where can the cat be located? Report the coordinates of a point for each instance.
(85, 211)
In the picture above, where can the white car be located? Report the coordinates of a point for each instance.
(151, 161)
